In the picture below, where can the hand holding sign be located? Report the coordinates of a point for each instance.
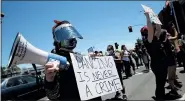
(153, 17)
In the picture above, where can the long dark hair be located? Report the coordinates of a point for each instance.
(110, 47)
(122, 47)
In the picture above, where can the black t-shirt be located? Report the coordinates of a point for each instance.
(170, 58)
(68, 89)
(156, 52)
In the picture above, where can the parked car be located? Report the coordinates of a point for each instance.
(22, 87)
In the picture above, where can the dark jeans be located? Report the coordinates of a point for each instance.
(160, 72)
(133, 66)
(119, 67)
(137, 62)
(127, 68)
(140, 59)
(147, 65)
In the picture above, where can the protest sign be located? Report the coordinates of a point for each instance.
(95, 76)
(153, 17)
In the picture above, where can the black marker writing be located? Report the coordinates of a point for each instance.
(97, 88)
(103, 63)
(88, 63)
(109, 72)
(100, 67)
(111, 84)
(80, 77)
(109, 63)
(107, 86)
(79, 61)
(116, 83)
(102, 86)
(88, 91)
(86, 76)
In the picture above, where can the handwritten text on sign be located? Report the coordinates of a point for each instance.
(154, 18)
(95, 76)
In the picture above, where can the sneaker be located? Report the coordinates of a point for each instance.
(134, 72)
(177, 84)
(124, 97)
(182, 71)
(176, 89)
(175, 93)
(117, 94)
(168, 87)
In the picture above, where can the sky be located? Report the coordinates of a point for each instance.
(99, 22)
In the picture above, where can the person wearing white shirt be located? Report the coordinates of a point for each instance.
(126, 61)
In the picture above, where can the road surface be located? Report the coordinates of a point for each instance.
(142, 86)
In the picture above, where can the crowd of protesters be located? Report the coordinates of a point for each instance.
(163, 50)
(160, 52)
(163, 61)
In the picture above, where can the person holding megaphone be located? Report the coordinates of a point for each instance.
(61, 84)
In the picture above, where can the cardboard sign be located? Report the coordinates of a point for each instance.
(153, 17)
(95, 76)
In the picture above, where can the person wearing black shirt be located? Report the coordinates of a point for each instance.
(171, 61)
(117, 55)
(61, 84)
(151, 39)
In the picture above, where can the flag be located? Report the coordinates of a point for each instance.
(90, 49)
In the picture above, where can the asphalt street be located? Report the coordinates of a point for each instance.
(141, 86)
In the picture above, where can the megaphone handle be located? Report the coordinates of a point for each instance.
(62, 59)
(62, 67)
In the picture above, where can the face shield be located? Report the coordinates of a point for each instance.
(66, 32)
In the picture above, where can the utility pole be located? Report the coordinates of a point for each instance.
(173, 10)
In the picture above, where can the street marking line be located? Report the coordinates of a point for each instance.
(182, 98)
(139, 73)
(180, 67)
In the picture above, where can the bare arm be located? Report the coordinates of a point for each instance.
(51, 83)
(150, 28)
(175, 39)
(176, 34)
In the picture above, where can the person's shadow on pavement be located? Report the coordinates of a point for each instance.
(168, 96)
(182, 71)
(145, 71)
(113, 99)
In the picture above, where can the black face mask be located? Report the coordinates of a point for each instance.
(144, 36)
(70, 44)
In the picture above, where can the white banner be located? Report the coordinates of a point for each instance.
(153, 17)
(95, 76)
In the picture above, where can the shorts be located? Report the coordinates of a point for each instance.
(171, 72)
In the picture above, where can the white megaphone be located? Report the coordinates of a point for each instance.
(23, 52)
